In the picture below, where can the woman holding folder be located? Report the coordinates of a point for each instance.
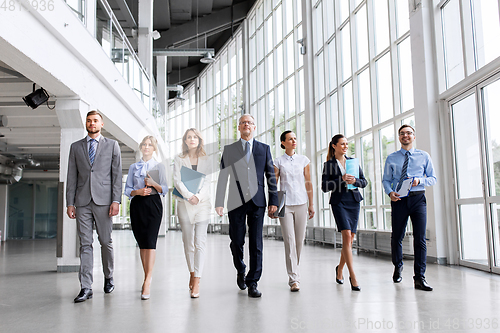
(194, 208)
(295, 178)
(146, 181)
(344, 200)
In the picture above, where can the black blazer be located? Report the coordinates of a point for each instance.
(332, 181)
(240, 173)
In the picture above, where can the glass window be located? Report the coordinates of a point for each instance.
(332, 65)
(343, 9)
(279, 23)
(361, 37)
(320, 77)
(281, 104)
(334, 115)
(368, 170)
(364, 100)
(301, 91)
(405, 75)
(348, 110)
(289, 16)
(402, 17)
(260, 44)
(270, 72)
(491, 98)
(279, 62)
(322, 135)
(487, 30)
(269, 34)
(381, 22)
(452, 43)
(291, 97)
(318, 27)
(384, 88)
(387, 147)
(329, 15)
(290, 57)
(345, 40)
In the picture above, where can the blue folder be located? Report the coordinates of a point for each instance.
(193, 180)
(352, 168)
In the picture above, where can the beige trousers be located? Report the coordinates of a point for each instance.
(293, 228)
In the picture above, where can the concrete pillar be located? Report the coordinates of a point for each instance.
(161, 82)
(145, 41)
(90, 16)
(425, 92)
(4, 203)
(71, 114)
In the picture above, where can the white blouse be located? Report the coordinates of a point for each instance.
(292, 178)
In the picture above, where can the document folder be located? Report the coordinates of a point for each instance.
(193, 180)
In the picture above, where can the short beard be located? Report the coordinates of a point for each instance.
(93, 132)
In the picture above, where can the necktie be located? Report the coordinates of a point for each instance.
(247, 151)
(403, 171)
(93, 143)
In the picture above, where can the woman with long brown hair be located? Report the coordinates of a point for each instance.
(345, 202)
(194, 209)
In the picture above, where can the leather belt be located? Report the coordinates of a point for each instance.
(414, 193)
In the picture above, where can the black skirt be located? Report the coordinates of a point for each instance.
(346, 212)
(145, 217)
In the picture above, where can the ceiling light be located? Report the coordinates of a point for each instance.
(207, 59)
(36, 98)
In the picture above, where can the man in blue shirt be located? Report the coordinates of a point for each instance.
(406, 163)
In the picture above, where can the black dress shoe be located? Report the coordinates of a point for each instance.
(84, 295)
(240, 280)
(337, 274)
(397, 277)
(253, 292)
(354, 288)
(422, 284)
(109, 286)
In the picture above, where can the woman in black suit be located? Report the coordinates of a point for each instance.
(344, 202)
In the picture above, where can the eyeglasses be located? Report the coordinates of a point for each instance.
(247, 123)
(405, 133)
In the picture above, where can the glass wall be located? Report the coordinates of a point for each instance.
(367, 92)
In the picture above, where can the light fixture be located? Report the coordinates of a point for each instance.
(156, 35)
(36, 98)
(207, 59)
(178, 96)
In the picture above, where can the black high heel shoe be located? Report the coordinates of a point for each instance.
(354, 288)
(337, 274)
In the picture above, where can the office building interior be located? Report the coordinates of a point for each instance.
(361, 68)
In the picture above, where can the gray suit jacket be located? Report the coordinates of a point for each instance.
(100, 182)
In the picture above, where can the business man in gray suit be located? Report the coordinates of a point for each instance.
(93, 194)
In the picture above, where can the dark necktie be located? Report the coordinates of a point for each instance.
(247, 151)
(93, 143)
(403, 171)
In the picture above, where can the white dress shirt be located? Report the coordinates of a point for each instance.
(292, 178)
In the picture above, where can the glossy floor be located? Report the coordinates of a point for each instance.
(34, 298)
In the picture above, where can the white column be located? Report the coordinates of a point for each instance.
(425, 92)
(161, 82)
(145, 40)
(90, 16)
(4, 202)
(71, 114)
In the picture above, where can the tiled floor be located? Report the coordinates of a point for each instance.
(34, 298)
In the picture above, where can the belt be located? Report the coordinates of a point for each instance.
(414, 193)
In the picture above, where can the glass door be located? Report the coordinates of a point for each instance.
(476, 140)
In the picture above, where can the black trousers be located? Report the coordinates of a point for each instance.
(254, 217)
(414, 207)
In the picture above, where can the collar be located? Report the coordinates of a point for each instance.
(88, 138)
(290, 158)
(403, 151)
(244, 142)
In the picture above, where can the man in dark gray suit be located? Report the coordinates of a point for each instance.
(93, 195)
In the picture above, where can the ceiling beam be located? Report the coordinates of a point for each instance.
(197, 28)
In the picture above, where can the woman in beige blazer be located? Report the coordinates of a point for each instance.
(194, 210)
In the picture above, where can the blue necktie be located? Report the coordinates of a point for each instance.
(247, 151)
(403, 171)
(93, 143)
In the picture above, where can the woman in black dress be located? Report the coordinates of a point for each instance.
(344, 202)
(146, 181)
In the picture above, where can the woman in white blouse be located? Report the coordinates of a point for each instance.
(194, 210)
(295, 178)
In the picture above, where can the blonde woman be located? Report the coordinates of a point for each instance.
(146, 209)
(194, 210)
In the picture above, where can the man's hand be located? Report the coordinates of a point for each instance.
(416, 181)
(193, 200)
(71, 212)
(271, 210)
(114, 209)
(219, 210)
(394, 196)
(349, 179)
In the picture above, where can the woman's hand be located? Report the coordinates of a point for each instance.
(149, 181)
(310, 211)
(142, 191)
(193, 200)
(349, 179)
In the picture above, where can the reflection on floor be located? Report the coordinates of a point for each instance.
(34, 298)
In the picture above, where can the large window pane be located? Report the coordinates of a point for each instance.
(334, 115)
(290, 55)
(452, 42)
(348, 110)
(387, 147)
(343, 9)
(381, 22)
(384, 88)
(320, 77)
(405, 75)
(330, 21)
(345, 42)
(473, 233)
(279, 63)
(467, 150)
(491, 101)
(364, 100)
(487, 30)
(321, 133)
(362, 37)
(269, 35)
(289, 16)
(332, 65)
(368, 170)
(318, 27)
(402, 17)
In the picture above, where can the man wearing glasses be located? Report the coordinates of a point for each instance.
(406, 163)
(246, 162)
